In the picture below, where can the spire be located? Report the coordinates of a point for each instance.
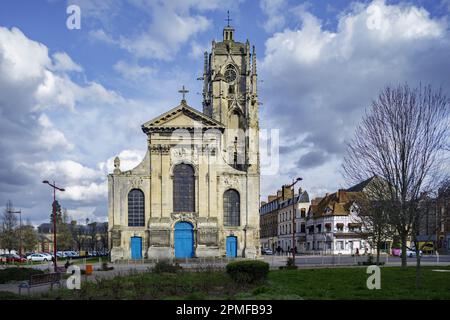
(205, 63)
(254, 61)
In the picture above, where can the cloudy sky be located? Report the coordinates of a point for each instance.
(71, 100)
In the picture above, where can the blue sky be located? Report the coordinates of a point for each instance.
(71, 100)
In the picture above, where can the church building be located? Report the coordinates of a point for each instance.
(196, 192)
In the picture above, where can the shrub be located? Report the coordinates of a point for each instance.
(105, 267)
(17, 274)
(166, 267)
(248, 271)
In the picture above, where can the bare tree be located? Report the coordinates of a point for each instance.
(423, 233)
(8, 232)
(374, 215)
(402, 139)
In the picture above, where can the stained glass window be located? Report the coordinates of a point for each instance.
(183, 188)
(231, 208)
(136, 215)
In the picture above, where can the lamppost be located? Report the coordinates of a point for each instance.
(20, 229)
(54, 217)
(293, 215)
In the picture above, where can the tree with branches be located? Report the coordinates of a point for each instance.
(373, 214)
(8, 232)
(403, 139)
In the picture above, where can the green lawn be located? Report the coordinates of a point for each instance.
(338, 283)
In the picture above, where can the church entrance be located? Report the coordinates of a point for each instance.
(136, 248)
(184, 240)
(231, 247)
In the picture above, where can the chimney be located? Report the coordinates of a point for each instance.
(287, 193)
(341, 195)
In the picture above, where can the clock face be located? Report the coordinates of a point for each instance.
(230, 75)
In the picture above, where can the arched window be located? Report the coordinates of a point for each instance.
(136, 215)
(231, 208)
(183, 188)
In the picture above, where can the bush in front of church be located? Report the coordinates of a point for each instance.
(248, 271)
(164, 266)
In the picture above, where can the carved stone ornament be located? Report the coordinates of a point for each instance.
(136, 183)
(230, 181)
(184, 215)
(116, 165)
(179, 152)
(160, 149)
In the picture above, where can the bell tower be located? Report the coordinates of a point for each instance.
(230, 96)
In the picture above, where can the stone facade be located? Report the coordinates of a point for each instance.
(220, 144)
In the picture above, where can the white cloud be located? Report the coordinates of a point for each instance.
(66, 171)
(275, 15)
(167, 32)
(323, 80)
(50, 137)
(80, 214)
(21, 59)
(44, 112)
(62, 62)
(134, 72)
(198, 50)
(86, 193)
(129, 159)
(102, 36)
(171, 25)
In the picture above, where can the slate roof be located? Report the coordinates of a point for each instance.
(361, 186)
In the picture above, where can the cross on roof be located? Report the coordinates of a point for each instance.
(183, 91)
(228, 18)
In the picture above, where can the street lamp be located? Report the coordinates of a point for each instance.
(20, 229)
(54, 217)
(293, 215)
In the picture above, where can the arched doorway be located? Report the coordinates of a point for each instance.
(184, 240)
(136, 247)
(231, 247)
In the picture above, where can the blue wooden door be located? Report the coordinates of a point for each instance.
(136, 248)
(184, 240)
(231, 247)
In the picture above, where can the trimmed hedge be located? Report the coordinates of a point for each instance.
(164, 266)
(17, 274)
(248, 271)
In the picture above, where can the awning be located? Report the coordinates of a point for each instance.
(353, 225)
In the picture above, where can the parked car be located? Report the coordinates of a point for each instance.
(17, 258)
(38, 257)
(11, 258)
(70, 254)
(396, 252)
(267, 251)
(412, 252)
(48, 255)
(74, 254)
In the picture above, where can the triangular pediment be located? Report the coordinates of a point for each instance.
(181, 117)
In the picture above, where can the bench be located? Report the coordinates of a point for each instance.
(41, 280)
